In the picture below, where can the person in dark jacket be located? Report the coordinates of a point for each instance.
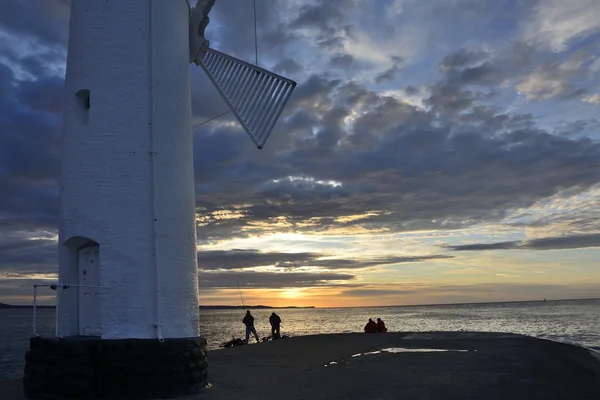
(381, 326)
(249, 322)
(371, 326)
(275, 325)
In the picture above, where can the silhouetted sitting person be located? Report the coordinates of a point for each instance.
(381, 326)
(371, 326)
(275, 325)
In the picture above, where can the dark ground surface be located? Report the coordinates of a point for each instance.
(497, 366)
(88, 367)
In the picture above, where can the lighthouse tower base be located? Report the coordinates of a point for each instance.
(86, 367)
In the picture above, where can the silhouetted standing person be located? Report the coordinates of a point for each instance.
(249, 322)
(275, 325)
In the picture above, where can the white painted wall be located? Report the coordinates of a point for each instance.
(106, 171)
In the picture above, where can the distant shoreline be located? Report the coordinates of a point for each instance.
(11, 306)
(217, 307)
(261, 307)
(481, 303)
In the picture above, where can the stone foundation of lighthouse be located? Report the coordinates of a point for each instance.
(127, 242)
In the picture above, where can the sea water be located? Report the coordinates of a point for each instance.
(573, 321)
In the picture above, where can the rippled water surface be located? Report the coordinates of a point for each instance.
(573, 320)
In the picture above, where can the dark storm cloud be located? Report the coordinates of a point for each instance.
(287, 67)
(414, 164)
(449, 99)
(418, 166)
(562, 78)
(411, 90)
(203, 110)
(487, 246)
(326, 16)
(268, 280)
(567, 242)
(239, 259)
(342, 61)
(21, 255)
(43, 95)
(478, 75)
(471, 76)
(580, 127)
(45, 21)
(232, 29)
(374, 293)
(462, 58)
(16, 250)
(30, 112)
(340, 149)
(490, 120)
(549, 243)
(390, 74)
(443, 294)
(29, 149)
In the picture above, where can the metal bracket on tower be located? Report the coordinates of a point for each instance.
(198, 22)
(256, 96)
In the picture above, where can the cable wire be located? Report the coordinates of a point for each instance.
(210, 119)
(255, 36)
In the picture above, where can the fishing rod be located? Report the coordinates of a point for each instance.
(241, 297)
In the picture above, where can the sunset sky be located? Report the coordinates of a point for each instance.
(434, 151)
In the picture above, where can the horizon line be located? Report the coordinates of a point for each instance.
(469, 303)
(381, 306)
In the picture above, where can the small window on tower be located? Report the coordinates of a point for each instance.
(82, 106)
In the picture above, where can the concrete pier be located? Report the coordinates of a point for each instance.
(398, 365)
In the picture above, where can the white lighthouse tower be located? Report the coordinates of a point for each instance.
(127, 189)
(127, 300)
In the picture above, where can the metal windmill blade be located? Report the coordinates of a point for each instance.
(256, 96)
